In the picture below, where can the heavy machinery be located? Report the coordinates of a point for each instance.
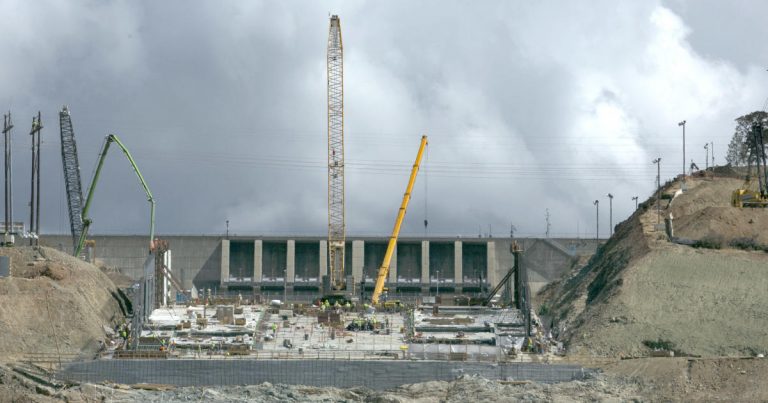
(384, 269)
(336, 229)
(71, 176)
(84, 216)
(746, 196)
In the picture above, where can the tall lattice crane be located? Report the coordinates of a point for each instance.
(336, 234)
(71, 176)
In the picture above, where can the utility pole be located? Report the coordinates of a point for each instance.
(657, 161)
(34, 202)
(548, 224)
(682, 185)
(706, 160)
(37, 176)
(635, 199)
(610, 215)
(597, 221)
(7, 126)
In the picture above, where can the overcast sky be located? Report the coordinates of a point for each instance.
(528, 106)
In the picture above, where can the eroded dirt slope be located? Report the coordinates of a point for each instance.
(641, 289)
(54, 303)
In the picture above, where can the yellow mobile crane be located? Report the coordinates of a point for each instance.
(384, 269)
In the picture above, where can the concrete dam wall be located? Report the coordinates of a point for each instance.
(460, 265)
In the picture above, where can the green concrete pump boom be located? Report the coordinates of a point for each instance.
(87, 221)
(384, 269)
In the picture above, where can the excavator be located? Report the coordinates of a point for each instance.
(746, 196)
(384, 269)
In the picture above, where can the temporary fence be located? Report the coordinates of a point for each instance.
(336, 373)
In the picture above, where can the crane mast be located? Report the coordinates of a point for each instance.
(336, 233)
(71, 176)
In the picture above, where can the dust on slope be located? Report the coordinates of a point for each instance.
(640, 288)
(52, 303)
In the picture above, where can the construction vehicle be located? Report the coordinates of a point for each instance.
(71, 176)
(336, 228)
(91, 191)
(746, 196)
(384, 269)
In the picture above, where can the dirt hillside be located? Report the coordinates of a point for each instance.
(54, 302)
(641, 291)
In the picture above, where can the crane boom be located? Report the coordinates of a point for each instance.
(384, 269)
(86, 220)
(71, 176)
(336, 231)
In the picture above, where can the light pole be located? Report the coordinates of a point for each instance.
(682, 186)
(635, 199)
(610, 215)
(285, 287)
(597, 221)
(657, 161)
(227, 229)
(706, 160)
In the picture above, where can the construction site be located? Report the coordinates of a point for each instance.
(670, 306)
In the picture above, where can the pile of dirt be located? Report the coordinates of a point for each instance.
(642, 292)
(54, 304)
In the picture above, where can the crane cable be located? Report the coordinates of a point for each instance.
(426, 193)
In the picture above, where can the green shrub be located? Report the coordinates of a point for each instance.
(747, 244)
(659, 344)
(543, 310)
(709, 242)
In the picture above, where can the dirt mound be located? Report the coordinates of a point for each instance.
(640, 291)
(53, 304)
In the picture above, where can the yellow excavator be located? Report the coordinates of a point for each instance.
(746, 196)
(384, 269)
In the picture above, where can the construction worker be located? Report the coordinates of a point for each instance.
(274, 329)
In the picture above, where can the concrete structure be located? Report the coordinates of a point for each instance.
(268, 265)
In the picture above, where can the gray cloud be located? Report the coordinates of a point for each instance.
(528, 107)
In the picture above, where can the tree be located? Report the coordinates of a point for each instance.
(741, 150)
